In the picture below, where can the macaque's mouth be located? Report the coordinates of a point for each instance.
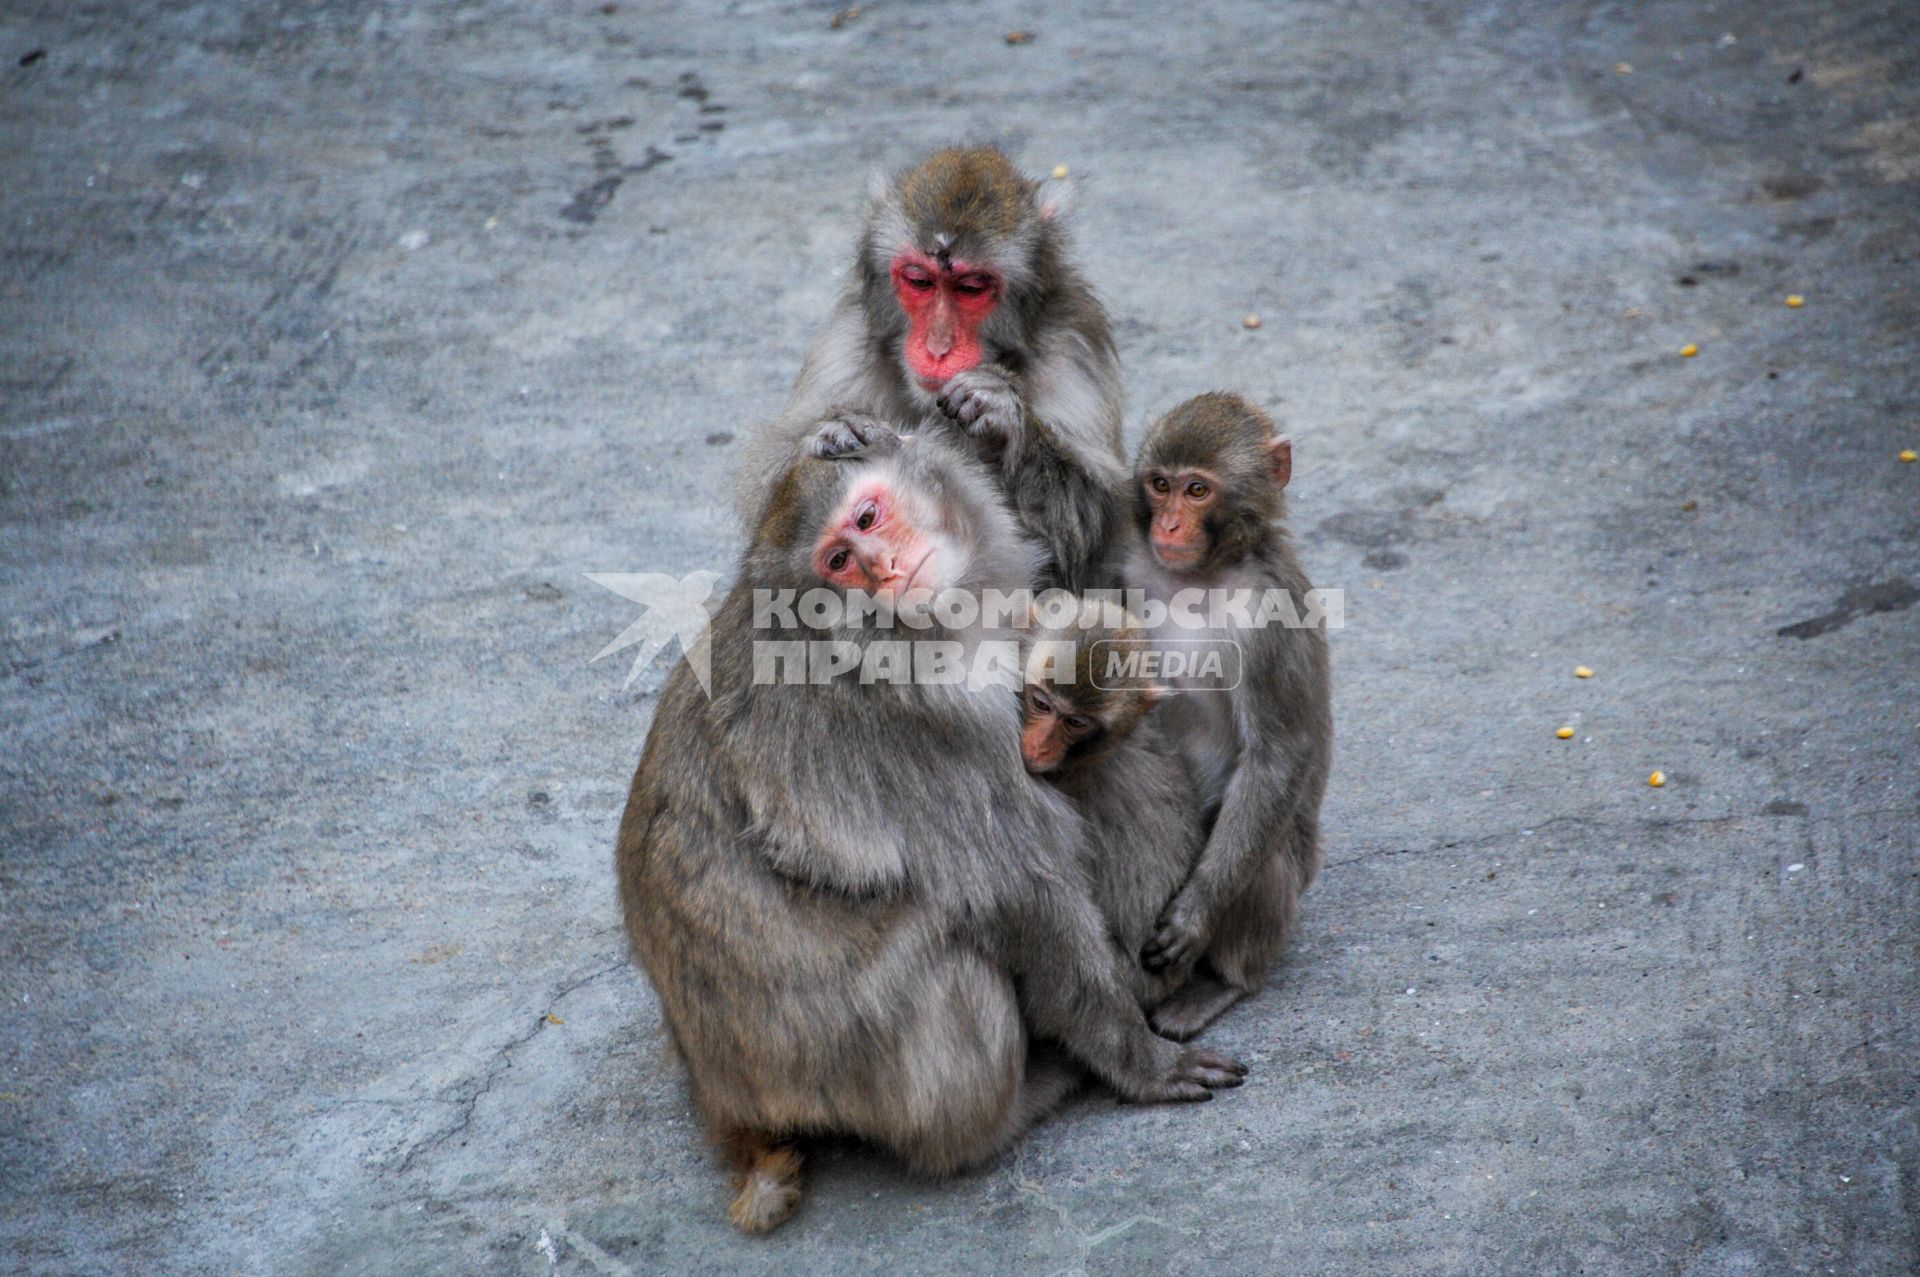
(913, 575)
(1175, 555)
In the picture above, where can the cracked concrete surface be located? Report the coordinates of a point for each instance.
(339, 340)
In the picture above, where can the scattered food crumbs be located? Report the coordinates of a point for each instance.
(1251, 321)
(1059, 171)
(843, 17)
(1689, 350)
(1581, 671)
(1565, 733)
(1623, 68)
(1909, 455)
(1657, 779)
(1795, 868)
(1689, 506)
(1795, 301)
(1019, 37)
(554, 1019)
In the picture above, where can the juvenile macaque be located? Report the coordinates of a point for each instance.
(1208, 507)
(861, 914)
(962, 313)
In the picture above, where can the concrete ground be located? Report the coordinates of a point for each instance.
(338, 340)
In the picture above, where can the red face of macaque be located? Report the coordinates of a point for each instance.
(1181, 503)
(1051, 728)
(945, 305)
(880, 541)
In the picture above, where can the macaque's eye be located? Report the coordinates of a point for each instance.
(917, 278)
(838, 559)
(1159, 484)
(1197, 491)
(1038, 701)
(868, 516)
(1079, 724)
(974, 285)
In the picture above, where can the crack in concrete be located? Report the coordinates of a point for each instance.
(503, 1060)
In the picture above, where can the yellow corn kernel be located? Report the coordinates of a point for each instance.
(1251, 321)
(1795, 301)
(1059, 171)
(1565, 733)
(1689, 350)
(1581, 671)
(1910, 455)
(1657, 779)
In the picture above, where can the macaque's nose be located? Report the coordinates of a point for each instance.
(940, 331)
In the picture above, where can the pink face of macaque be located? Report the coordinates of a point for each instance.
(1049, 729)
(1181, 503)
(946, 302)
(883, 540)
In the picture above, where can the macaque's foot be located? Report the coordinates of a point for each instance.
(1193, 1007)
(848, 432)
(1196, 1075)
(1178, 941)
(984, 403)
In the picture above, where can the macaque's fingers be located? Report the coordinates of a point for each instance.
(1211, 1068)
(984, 403)
(849, 433)
(1176, 943)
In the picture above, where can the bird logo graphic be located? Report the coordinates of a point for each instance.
(676, 608)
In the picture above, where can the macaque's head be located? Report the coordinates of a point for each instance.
(908, 520)
(953, 259)
(1208, 483)
(1078, 701)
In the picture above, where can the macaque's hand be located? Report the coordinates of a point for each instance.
(1194, 1074)
(984, 403)
(1178, 940)
(845, 433)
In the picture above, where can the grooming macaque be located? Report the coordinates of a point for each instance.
(861, 914)
(962, 314)
(1208, 506)
(1087, 729)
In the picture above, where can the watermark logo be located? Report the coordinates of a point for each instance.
(676, 608)
(1193, 665)
(1189, 641)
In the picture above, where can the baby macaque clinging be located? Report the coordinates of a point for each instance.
(962, 313)
(861, 914)
(1208, 505)
(1087, 728)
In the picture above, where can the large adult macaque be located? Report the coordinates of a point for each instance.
(844, 939)
(962, 313)
(1208, 506)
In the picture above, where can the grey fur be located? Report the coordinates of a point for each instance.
(1049, 333)
(1261, 752)
(844, 939)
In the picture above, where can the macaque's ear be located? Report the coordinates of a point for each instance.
(1280, 460)
(879, 185)
(1056, 199)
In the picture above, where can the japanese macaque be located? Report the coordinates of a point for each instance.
(1086, 728)
(962, 314)
(861, 914)
(1208, 506)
